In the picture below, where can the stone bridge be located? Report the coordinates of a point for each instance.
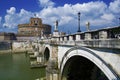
(73, 58)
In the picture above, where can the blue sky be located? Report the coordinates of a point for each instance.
(100, 13)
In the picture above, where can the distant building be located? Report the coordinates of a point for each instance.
(34, 28)
(7, 36)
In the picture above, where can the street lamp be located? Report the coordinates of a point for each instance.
(79, 22)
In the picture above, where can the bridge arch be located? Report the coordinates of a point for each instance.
(80, 62)
(46, 54)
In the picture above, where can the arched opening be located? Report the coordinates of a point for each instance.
(80, 68)
(46, 54)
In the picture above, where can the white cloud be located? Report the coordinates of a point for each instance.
(108, 17)
(97, 13)
(115, 6)
(93, 7)
(12, 10)
(0, 19)
(46, 3)
(68, 13)
(12, 19)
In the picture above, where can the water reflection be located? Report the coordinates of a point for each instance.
(17, 67)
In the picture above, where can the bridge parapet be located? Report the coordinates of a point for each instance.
(108, 43)
(102, 43)
(108, 37)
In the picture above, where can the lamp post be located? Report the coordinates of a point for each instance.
(79, 22)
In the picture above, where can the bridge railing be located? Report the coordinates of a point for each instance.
(107, 43)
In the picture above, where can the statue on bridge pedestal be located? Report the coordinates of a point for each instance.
(56, 26)
(88, 26)
(56, 32)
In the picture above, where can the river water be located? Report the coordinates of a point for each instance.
(17, 67)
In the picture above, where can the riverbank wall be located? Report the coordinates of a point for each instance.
(5, 45)
(14, 47)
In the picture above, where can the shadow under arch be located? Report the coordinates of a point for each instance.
(46, 54)
(76, 65)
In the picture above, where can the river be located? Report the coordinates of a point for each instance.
(17, 67)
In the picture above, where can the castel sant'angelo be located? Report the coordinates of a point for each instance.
(34, 28)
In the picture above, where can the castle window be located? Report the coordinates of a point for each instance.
(36, 22)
